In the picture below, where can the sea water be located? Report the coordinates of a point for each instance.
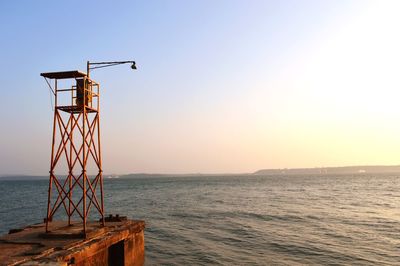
(244, 220)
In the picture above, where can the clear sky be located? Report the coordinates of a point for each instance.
(221, 86)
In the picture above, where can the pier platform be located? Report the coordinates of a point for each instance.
(120, 242)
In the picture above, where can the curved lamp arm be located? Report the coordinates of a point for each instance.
(94, 65)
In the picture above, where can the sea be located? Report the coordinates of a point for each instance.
(244, 220)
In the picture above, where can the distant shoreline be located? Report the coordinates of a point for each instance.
(366, 169)
(363, 169)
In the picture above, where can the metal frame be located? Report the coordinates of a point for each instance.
(79, 143)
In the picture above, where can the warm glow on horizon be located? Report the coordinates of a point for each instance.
(260, 85)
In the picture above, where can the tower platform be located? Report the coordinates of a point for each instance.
(119, 242)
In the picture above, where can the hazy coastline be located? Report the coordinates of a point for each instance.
(346, 170)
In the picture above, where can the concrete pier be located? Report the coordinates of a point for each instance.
(120, 242)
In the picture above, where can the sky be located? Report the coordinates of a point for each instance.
(221, 86)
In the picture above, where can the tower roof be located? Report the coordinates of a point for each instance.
(64, 74)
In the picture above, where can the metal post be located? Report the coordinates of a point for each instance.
(100, 168)
(48, 218)
(88, 69)
(71, 117)
(84, 156)
(70, 169)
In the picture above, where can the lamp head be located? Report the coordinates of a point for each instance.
(133, 66)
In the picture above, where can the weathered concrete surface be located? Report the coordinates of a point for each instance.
(118, 243)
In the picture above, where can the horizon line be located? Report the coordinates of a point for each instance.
(216, 173)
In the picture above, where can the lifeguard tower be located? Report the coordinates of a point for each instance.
(76, 145)
(76, 185)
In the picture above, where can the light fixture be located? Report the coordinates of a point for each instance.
(94, 65)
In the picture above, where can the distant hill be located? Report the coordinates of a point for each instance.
(144, 175)
(331, 170)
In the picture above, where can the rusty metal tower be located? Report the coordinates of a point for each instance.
(76, 145)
